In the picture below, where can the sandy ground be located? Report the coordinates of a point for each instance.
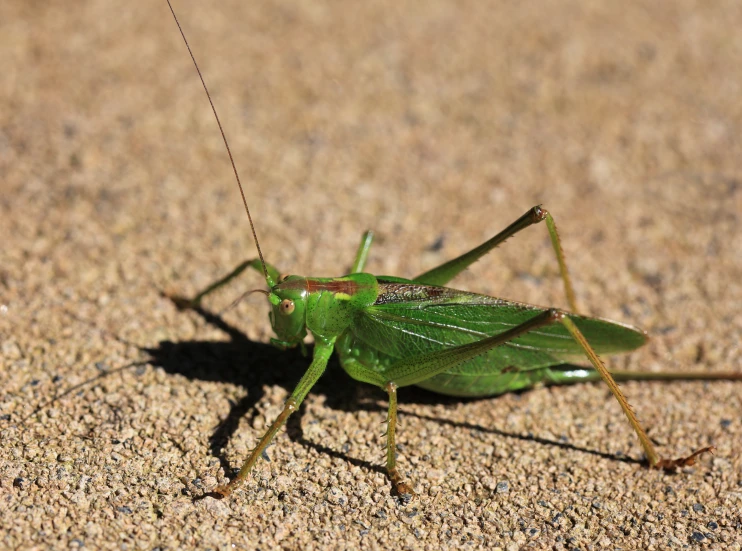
(434, 123)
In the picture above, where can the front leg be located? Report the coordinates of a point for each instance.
(322, 353)
(184, 303)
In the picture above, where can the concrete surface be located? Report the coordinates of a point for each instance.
(434, 123)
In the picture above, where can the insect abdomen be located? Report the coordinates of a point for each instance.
(485, 384)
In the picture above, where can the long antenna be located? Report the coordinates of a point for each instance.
(224, 137)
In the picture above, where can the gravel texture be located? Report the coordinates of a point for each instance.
(434, 123)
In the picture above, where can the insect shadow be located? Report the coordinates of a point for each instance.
(254, 366)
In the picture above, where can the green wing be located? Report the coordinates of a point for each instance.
(410, 319)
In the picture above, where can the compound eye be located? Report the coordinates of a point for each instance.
(287, 307)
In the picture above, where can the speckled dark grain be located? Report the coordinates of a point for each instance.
(434, 123)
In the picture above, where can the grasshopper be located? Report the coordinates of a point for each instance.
(393, 332)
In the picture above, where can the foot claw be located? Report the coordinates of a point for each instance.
(400, 488)
(674, 464)
(220, 492)
(404, 491)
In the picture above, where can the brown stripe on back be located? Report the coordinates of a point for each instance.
(344, 286)
(310, 285)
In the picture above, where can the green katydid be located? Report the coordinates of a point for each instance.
(393, 332)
